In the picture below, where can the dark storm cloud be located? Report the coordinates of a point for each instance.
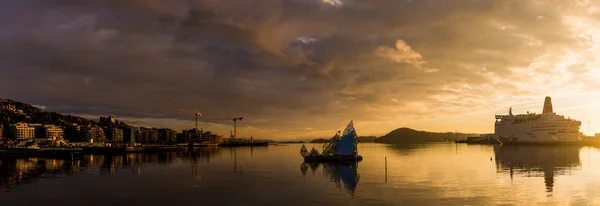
(243, 58)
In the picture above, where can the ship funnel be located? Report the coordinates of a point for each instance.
(548, 105)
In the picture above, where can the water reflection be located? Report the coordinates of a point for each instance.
(537, 160)
(18, 171)
(407, 149)
(236, 169)
(195, 155)
(340, 173)
(438, 174)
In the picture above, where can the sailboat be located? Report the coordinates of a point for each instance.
(339, 148)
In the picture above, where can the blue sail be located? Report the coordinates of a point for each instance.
(347, 144)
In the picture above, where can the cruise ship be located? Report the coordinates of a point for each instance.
(547, 127)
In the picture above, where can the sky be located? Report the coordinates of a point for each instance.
(304, 68)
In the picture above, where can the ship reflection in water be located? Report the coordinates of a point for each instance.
(532, 161)
(340, 173)
(15, 172)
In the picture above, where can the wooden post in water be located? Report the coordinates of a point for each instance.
(386, 169)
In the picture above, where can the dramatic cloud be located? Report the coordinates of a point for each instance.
(289, 65)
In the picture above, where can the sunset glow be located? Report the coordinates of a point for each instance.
(303, 69)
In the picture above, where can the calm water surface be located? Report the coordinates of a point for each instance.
(434, 174)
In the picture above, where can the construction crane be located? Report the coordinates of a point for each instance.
(195, 112)
(234, 124)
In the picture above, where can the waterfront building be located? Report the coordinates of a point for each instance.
(40, 132)
(167, 136)
(52, 131)
(114, 135)
(191, 134)
(22, 131)
(138, 135)
(214, 138)
(210, 137)
(180, 138)
(130, 133)
(93, 134)
(72, 133)
(149, 135)
(200, 136)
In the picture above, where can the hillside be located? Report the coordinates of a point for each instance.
(12, 112)
(407, 135)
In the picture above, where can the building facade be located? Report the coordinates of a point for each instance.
(114, 135)
(192, 135)
(72, 133)
(149, 135)
(93, 134)
(130, 133)
(22, 131)
(54, 132)
(167, 136)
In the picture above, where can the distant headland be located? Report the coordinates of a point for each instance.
(406, 135)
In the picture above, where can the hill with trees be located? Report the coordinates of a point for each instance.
(410, 136)
(360, 139)
(12, 112)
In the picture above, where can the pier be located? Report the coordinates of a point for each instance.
(53, 152)
(115, 150)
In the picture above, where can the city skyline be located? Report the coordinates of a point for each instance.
(303, 69)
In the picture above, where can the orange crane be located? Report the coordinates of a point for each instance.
(234, 124)
(195, 112)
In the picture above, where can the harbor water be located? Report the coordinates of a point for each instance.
(429, 174)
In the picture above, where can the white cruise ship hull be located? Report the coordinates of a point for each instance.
(547, 127)
(524, 133)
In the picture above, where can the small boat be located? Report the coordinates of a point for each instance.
(339, 148)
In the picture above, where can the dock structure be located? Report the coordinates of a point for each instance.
(49, 152)
(137, 149)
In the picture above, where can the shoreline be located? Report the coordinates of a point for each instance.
(71, 152)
